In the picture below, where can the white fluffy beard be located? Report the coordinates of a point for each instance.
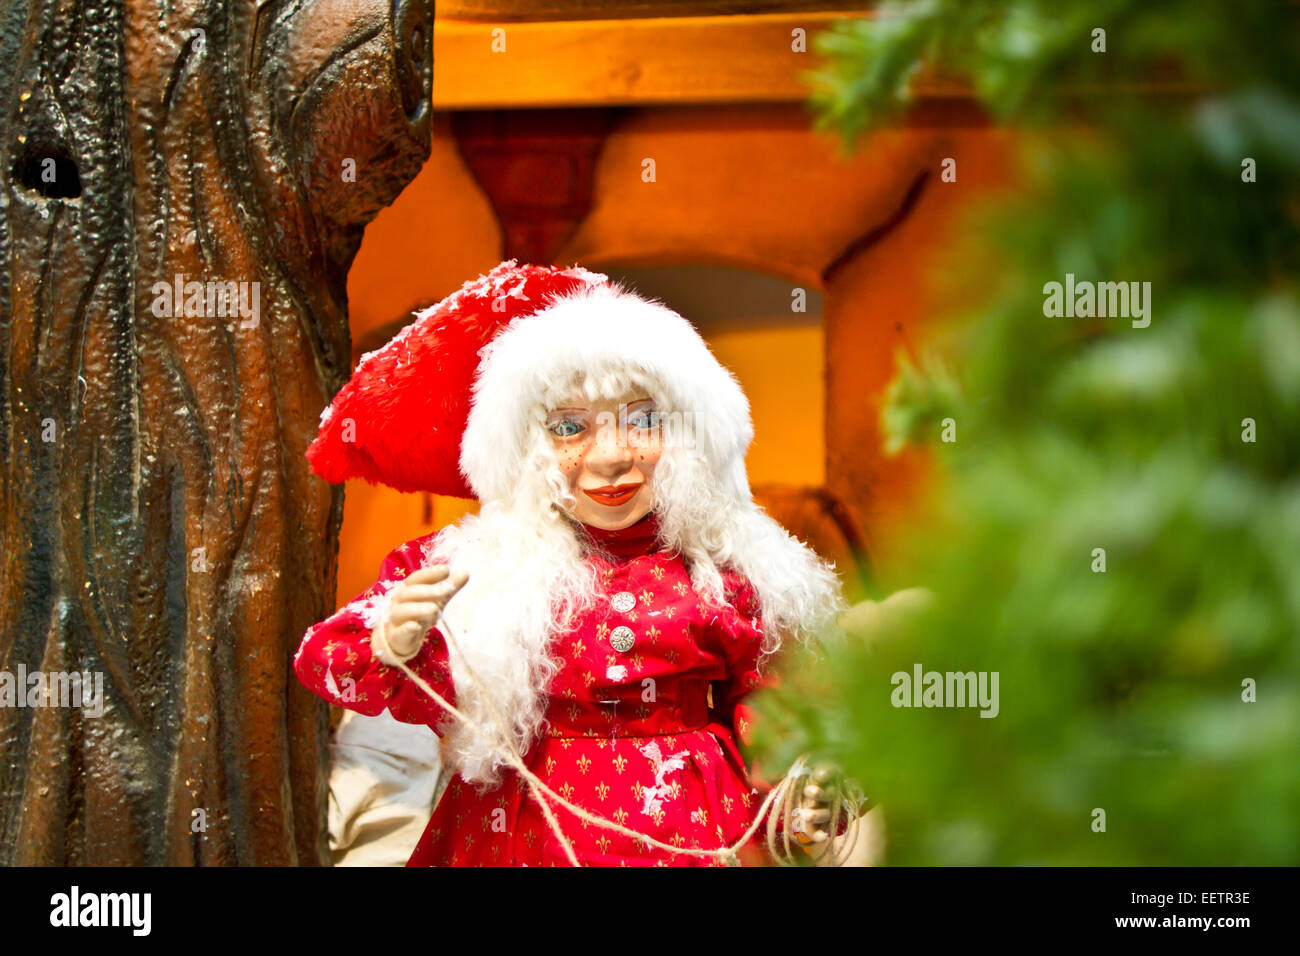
(716, 525)
(528, 574)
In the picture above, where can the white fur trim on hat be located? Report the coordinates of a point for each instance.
(595, 332)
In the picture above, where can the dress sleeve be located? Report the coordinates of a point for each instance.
(747, 672)
(335, 662)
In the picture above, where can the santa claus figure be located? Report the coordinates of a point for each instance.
(604, 615)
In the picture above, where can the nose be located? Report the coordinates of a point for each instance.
(609, 456)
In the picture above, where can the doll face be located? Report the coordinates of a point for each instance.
(607, 450)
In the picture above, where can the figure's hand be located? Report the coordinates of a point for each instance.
(862, 842)
(811, 819)
(414, 607)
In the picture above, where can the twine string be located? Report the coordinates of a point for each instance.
(785, 793)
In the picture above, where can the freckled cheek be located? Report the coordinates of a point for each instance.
(571, 461)
(647, 459)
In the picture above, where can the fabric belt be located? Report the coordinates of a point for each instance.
(684, 707)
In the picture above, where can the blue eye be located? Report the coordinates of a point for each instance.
(566, 428)
(644, 419)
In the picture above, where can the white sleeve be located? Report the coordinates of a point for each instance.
(384, 777)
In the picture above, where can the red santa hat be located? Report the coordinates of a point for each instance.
(449, 404)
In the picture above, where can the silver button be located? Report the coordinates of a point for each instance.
(623, 601)
(622, 639)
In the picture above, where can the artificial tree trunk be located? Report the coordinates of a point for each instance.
(159, 525)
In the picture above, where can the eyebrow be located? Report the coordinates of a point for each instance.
(569, 408)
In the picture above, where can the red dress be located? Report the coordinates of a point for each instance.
(642, 718)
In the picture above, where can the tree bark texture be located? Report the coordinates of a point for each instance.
(159, 524)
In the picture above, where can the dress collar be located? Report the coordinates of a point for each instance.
(637, 539)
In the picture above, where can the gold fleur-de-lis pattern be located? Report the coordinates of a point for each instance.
(604, 706)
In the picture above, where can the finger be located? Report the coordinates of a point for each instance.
(441, 590)
(449, 589)
(810, 806)
(419, 612)
(430, 575)
(423, 594)
(820, 794)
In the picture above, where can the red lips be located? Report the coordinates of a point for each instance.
(613, 495)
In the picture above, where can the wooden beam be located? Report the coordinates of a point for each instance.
(740, 58)
(533, 10)
(660, 60)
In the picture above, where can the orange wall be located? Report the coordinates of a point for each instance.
(781, 371)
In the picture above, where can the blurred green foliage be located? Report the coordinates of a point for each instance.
(1120, 690)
